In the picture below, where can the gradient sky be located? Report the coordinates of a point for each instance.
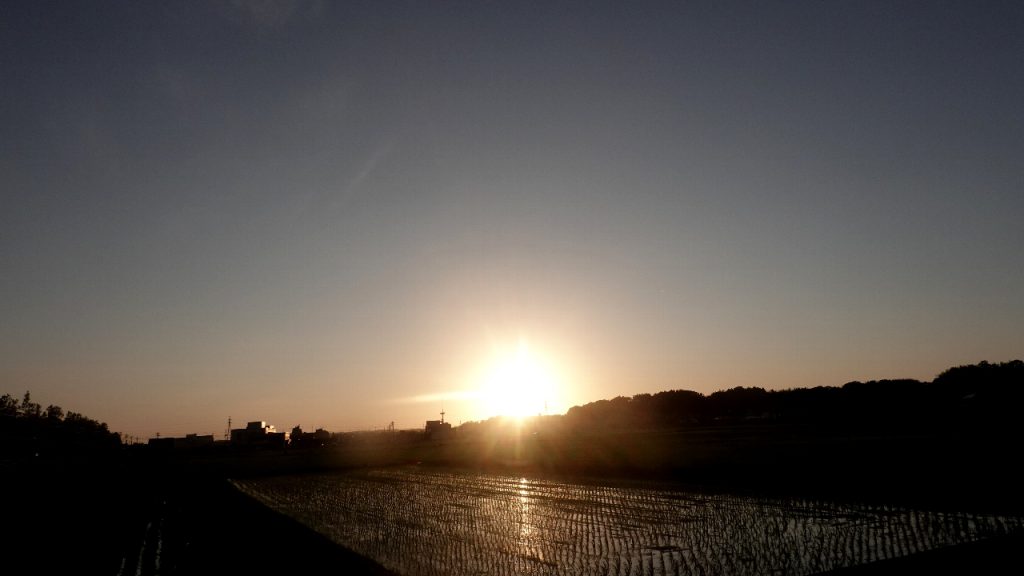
(339, 215)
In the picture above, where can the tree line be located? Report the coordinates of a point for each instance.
(983, 393)
(29, 432)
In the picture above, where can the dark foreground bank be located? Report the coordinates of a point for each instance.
(214, 529)
(92, 519)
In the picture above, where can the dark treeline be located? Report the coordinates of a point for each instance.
(73, 502)
(984, 392)
(30, 432)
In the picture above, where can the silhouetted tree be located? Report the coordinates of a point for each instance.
(54, 412)
(28, 432)
(29, 408)
(982, 392)
(739, 402)
(8, 406)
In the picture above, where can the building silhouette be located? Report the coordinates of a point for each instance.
(258, 434)
(438, 429)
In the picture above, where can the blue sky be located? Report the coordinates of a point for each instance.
(315, 213)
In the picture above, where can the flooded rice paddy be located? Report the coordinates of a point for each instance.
(418, 521)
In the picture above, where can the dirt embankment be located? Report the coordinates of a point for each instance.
(112, 518)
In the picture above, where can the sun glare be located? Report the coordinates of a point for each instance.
(517, 384)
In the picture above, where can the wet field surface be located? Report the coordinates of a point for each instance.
(422, 521)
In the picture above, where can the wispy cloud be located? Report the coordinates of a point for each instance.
(368, 167)
(340, 197)
(439, 397)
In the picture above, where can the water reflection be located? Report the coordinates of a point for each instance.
(524, 512)
(451, 523)
(525, 522)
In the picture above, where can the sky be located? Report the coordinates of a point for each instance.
(344, 215)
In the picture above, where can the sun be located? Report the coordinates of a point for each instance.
(518, 383)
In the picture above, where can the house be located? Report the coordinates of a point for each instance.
(258, 433)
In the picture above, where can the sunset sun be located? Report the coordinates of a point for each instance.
(518, 383)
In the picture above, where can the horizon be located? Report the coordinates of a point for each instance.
(341, 216)
(234, 424)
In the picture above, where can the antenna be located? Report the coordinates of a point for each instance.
(442, 415)
(227, 433)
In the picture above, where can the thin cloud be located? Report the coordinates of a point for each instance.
(439, 397)
(339, 198)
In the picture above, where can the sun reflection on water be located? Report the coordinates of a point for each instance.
(524, 509)
(472, 524)
(525, 518)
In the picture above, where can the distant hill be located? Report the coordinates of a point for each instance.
(982, 393)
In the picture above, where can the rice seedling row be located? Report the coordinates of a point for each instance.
(422, 522)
